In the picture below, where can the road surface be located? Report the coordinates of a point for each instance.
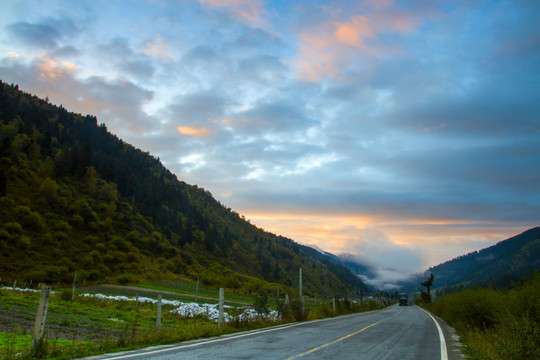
(398, 332)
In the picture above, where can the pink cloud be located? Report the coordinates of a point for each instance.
(339, 43)
(158, 48)
(50, 68)
(353, 32)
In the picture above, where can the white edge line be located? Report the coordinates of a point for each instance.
(230, 337)
(444, 352)
(203, 342)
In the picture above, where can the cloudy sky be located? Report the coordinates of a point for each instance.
(403, 132)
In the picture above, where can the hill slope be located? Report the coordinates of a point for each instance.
(75, 197)
(507, 261)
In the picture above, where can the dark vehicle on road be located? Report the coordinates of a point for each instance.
(403, 299)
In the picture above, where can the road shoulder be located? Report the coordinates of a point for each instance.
(454, 346)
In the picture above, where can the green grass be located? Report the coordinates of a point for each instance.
(89, 326)
(13, 344)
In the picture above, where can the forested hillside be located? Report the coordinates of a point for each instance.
(75, 197)
(499, 265)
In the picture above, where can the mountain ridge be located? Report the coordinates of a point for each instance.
(499, 265)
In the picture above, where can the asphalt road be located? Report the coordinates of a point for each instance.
(405, 332)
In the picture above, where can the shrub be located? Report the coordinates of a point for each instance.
(480, 308)
(496, 324)
(124, 279)
(298, 309)
(66, 294)
(260, 302)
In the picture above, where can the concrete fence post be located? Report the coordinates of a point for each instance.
(158, 313)
(221, 300)
(41, 316)
(334, 305)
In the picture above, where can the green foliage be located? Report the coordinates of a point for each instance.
(496, 324)
(479, 308)
(66, 294)
(260, 301)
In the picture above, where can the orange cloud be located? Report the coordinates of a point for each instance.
(52, 69)
(328, 48)
(324, 51)
(353, 33)
(247, 11)
(193, 131)
(343, 233)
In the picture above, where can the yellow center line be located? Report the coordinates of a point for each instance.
(332, 342)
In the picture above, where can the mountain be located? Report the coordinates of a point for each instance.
(73, 196)
(352, 262)
(499, 265)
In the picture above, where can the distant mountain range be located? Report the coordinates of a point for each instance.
(74, 197)
(499, 265)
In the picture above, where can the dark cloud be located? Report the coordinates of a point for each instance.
(39, 35)
(47, 34)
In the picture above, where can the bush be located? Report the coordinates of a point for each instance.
(124, 279)
(480, 308)
(260, 302)
(496, 324)
(518, 338)
(298, 309)
(55, 273)
(66, 294)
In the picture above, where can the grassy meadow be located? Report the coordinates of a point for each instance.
(88, 326)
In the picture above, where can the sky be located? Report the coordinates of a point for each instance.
(405, 133)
